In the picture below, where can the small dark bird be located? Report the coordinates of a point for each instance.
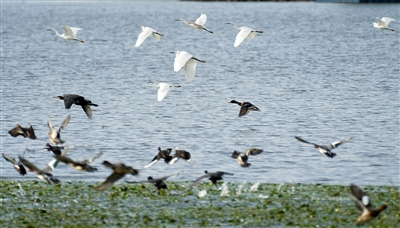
(80, 165)
(245, 107)
(326, 149)
(213, 177)
(361, 200)
(158, 182)
(55, 149)
(76, 99)
(180, 154)
(17, 165)
(162, 154)
(26, 132)
(54, 135)
(242, 158)
(119, 171)
(43, 174)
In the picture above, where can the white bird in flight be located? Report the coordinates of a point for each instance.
(146, 31)
(188, 61)
(163, 89)
(243, 33)
(69, 33)
(383, 23)
(198, 24)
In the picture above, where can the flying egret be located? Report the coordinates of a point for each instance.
(243, 33)
(163, 89)
(186, 60)
(383, 23)
(146, 31)
(69, 33)
(198, 24)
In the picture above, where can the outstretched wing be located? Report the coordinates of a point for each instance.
(180, 59)
(163, 90)
(65, 122)
(338, 143)
(109, 181)
(70, 31)
(302, 140)
(165, 177)
(386, 20)
(244, 32)
(201, 20)
(190, 69)
(90, 160)
(10, 159)
(143, 35)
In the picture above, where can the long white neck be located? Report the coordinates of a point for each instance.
(234, 25)
(58, 34)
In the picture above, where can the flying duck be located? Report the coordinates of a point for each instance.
(326, 149)
(162, 154)
(361, 200)
(70, 99)
(26, 132)
(213, 177)
(157, 182)
(54, 135)
(17, 165)
(242, 158)
(245, 107)
(45, 173)
(80, 165)
(55, 149)
(119, 171)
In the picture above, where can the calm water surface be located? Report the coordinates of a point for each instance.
(319, 71)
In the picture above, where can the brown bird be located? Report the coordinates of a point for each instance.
(180, 154)
(245, 107)
(361, 200)
(243, 158)
(119, 171)
(326, 149)
(43, 174)
(17, 165)
(54, 135)
(80, 165)
(26, 132)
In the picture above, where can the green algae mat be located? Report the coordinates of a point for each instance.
(77, 204)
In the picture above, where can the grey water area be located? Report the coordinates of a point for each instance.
(319, 71)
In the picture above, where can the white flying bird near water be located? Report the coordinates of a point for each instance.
(243, 33)
(163, 89)
(69, 33)
(198, 24)
(383, 23)
(188, 62)
(146, 31)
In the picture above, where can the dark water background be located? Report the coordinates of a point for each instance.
(319, 71)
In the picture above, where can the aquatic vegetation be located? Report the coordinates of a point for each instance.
(76, 203)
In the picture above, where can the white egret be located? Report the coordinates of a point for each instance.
(243, 33)
(186, 60)
(198, 24)
(383, 23)
(163, 89)
(69, 33)
(146, 31)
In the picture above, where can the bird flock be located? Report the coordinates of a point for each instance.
(188, 62)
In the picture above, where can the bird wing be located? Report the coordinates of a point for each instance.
(253, 151)
(221, 173)
(235, 154)
(386, 20)
(28, 164)
(338, 143)
(53, 131)
(17, 130)
(244, 110)
(163, 90)
(164, 178)
(109, 181)
(190, 69)
(201, 20)
(180, 60)
(64, 159)
(244, 32)
(70, 31)
(10, 159)
(90, 160)
(362, 198)
(50, 166)
(154, 161)
(69, 100)
(30, 132)
(87, 110)
(143, 35)
(302, 140)
(198, 180)
(64, 123)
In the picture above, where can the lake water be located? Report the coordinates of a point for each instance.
(319, 71)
